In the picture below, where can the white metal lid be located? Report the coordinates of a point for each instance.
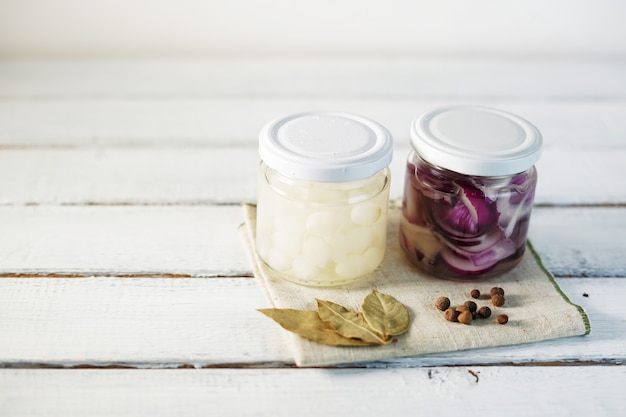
(476, 140)
(325, 146)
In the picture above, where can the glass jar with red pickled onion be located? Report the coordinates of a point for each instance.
(323, 197)
(469, 189)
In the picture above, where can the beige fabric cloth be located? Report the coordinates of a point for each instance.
(536, 307)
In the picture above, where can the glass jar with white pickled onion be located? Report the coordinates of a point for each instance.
(469, 189)
(323, 197)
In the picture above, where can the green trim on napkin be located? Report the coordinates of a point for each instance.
(582, 312)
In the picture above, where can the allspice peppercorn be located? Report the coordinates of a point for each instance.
(471, 306)
(484, 312)
(465, 317)
(497, 300)
(442, 303)
(496, 291)
(469, 310)
(462, 308)
(451, 314)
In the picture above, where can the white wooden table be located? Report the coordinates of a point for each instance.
(125, 288)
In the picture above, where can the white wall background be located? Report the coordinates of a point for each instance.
(192, 28)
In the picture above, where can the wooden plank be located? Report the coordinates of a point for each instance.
(129, 176)
(156, 323)
(191, 175)
(581, 242)
(228, 121)
(515, 391)
(202, 241)
(136, 322)
(194, 241)
(313, 77)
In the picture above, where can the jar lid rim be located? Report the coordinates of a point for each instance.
(325, 146)
(476, 140)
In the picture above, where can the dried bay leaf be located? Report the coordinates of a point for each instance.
(385, 314)
(347, 323)
(309, 325)
(382, 318)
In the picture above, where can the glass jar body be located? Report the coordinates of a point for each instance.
(321, 233)
(461, 227)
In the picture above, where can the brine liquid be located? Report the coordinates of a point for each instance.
(464, 227)
(322, 234)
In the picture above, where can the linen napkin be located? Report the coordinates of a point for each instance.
(537, 308)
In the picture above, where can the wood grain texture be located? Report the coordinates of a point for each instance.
(579, 241)
(531, 391)
(137, 322)
(155, 323)
(129, 240)
(132, 176)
